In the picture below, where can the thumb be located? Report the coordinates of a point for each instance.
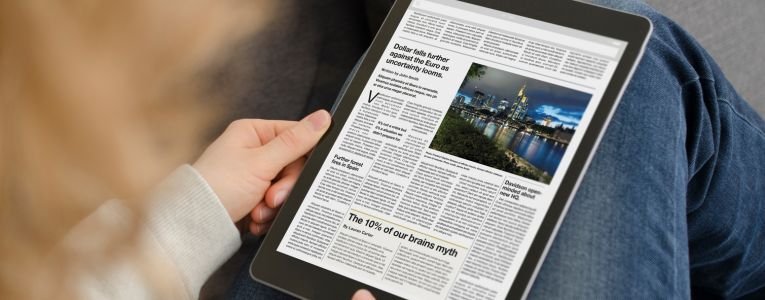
(291, 144)
(363, 295)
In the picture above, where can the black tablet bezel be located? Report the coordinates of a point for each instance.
(305, 280)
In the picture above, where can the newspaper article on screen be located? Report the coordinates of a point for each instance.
(443, 172)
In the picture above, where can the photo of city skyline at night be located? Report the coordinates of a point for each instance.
(511, 122)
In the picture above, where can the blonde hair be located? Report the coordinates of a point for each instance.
(98, 100)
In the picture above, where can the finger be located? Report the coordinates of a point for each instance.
(291, 144)
(269, 129)
(251, 133)
(295, 167)
(262, 213)
(279, 190)
(363, 295)
(259, 229)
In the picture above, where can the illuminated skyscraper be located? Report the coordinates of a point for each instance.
(520, 106)
(479, 98)
(458, 100)
(490, 101)
(547, 121)
(503, 105)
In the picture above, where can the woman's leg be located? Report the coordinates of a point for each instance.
(245, 288)
(673, 203)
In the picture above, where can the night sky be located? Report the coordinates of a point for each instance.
(565, 106)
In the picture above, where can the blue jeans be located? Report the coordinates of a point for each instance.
(673, 204)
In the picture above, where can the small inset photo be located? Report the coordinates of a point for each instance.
(511, 122)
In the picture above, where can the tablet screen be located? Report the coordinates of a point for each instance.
(449, 161)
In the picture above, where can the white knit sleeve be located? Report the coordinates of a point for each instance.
(186, 227)
(192, 227)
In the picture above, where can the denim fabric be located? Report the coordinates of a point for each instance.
(673, 203)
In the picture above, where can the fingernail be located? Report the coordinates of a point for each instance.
(279, 197)
(319, 120)
(266, 215)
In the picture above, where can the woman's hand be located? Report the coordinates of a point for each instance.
(254, 159)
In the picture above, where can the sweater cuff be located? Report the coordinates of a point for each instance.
(192, 226)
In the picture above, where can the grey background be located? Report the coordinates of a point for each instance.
(733, 31)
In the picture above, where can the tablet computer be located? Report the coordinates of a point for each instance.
(454, 152)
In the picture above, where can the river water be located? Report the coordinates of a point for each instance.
(543, 153)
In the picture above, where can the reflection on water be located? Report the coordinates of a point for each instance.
(541, 152)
